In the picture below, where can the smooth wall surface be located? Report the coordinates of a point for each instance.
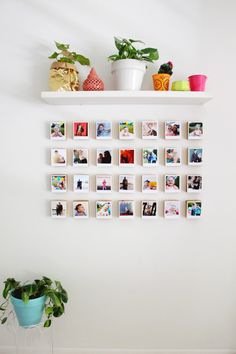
(133, 285)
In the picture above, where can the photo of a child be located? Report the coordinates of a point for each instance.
(149, 209)
(58, 157)
(80, 130)
(104, 209)
(103, 184)
(58, 130)
(80, 157)
(194, 183)
(172, 209)
(195, 130)
(103, 130)
(150, 157)
(172, 130)
(150, 130)
(194, 209)
(172, 156)
(172, 183)
(81, 209)
(59, 183)
(126, 130)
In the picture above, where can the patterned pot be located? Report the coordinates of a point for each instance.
(93, 82)
(161, 82)
(63, 77)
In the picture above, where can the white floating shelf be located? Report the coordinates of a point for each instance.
(125, 97)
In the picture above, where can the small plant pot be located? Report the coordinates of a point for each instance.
(30, 314)
(63, 77)
(197, 82)
(128, 74)
(161, 82)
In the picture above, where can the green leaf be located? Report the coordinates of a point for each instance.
(47, 323)
(62, 46)
(58, 311)
(81, 59)
(54, 55)
(136, 41)
(66, 60)
(3, 320)
(48, 311)
(54, 298)
(118, 43)
(25, 297)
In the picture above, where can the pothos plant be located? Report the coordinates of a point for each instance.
(127, 50)
(64, 55)
(56, 297)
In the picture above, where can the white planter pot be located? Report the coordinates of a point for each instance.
(128, 74)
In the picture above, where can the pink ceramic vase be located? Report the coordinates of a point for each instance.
(93, 82)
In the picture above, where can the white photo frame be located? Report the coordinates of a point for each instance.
(126, 130)
(81, 209)
(103, 130)
(149, 183)
(58, 157)
(58, 209)
(59, 183)
(195, 130)
(81, 183)
(149, 209)
(193, 209)
(104, 209)
(150, 130)
(126, 183)
(103, 183)
(172, 183)
(173, 156)
(172, 209)
(80, 130)
(58, 130)
(150, 157)
(104, 157)
(80, 157)
(172, 130)
(195, 156)
(126, 209)
(194, 183)
(126, 157)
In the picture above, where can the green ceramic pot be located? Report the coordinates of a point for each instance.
(180, 86)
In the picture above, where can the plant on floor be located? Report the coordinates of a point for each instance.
(166, 68)
(126, 50)
(66, 56)
(53, 294)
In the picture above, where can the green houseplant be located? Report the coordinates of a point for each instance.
(30, 300)
(129, 64)
(63, 72)
(161, 80)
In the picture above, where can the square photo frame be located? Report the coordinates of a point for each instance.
(150, 157)
(149, 209)
(194, 209)
(194, 183)
(195, 130)
(126, 130)
(126, 209)
(172, 183)
(149, 183)
(103, 209)
(80, 130)
(172, 209)
(103, 183)
(58, 183)
(58, 209)
(104, 129)
(58, 157)
(81, 209)
(150, 130)
(126, 183)
(81, 183)
(58, 130)
(104, 157)
(195, 156)
(126, 157)
(80, 157)
(172, 130)
(173, 156)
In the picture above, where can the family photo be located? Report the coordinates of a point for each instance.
(172, 183)
(58, 157)
(104, 157)
(81, 209)
(172, 156)
(126, 157)
(194, 209)
(150, 157)
(172, 130)
(80, 157)
(126, 209)
(81, 183)
(59, 183)
(58, 209)
(103, 184)
(126, 183)
(126, 130)
(195, 130)
(172, 209)
(103, 130)
(80, 130)
(149, 183)
(104, 209)
(150, 130)
(58, 130)
(194, 183)
(149, 209)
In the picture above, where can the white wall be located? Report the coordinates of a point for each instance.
(136, 285)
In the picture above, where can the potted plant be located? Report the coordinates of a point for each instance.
(129, 65)
(31, 300)
(63, 72)
(162, 79)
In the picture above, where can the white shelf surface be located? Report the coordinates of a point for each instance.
(125, 97)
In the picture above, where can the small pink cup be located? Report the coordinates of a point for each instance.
(197, 82)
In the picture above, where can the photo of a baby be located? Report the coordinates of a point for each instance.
(58, 130)
(126, 130)
(172, 183)
(172, 209)
(149, 183)
(194, 209)
(58, 157)
(172, 130)
(195, 130)
(81, 209)
(172, 156)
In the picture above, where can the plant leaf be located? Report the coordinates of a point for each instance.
(4, 320)
(54, 55)
(136, 41)
(81, 59)
(47, 323)
(25, 297)
(48, 311)
(62, 46)
(66, 60)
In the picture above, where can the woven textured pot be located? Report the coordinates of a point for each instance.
(161, 82)
(93, 82)
(63, 77)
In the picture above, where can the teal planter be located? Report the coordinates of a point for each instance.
(29, 314)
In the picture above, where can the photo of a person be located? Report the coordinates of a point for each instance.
(195, 130)
(194, 183)
(81, 183)
(80, 130)
(172, 183)
(150, 157)
(126, 209)
(58, 130)
(172, 209)
(194, 209)
(80, 157)
(58, 209)
(172, 130)
(126, 130)
(58, 183)
(195, 156)
(149, 183)
(103, 184)
(149, 130)
(104, 157)
(126, 183)
(126, 157)
(104, 209)
(149, 209)
(81, 209)
(58, 157)
(172, 156)
(103, 130)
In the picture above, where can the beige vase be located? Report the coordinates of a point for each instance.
(63, 77)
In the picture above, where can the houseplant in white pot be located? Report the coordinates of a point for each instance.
(129, 64)
(31, 299)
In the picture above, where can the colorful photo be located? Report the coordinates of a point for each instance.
(126, 157)
(126, 209)
(150, 157)
(80, 130)
(149, 183)
(172, 183)
(103, 184)
(58, 130)
(172, 156)
(103, 209)
(172, 209)
(103, 130)
(58, 209)
(150, 130)
(81, 183)
(172, 130)
(81, 209)
(195, 156)
(80, 157)
(194, 209)
(126, 183)
(195, 130)
(58, 157)
(126, 130)
(149, 209)
(194, 183)
(59, 183)
(104, 157)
